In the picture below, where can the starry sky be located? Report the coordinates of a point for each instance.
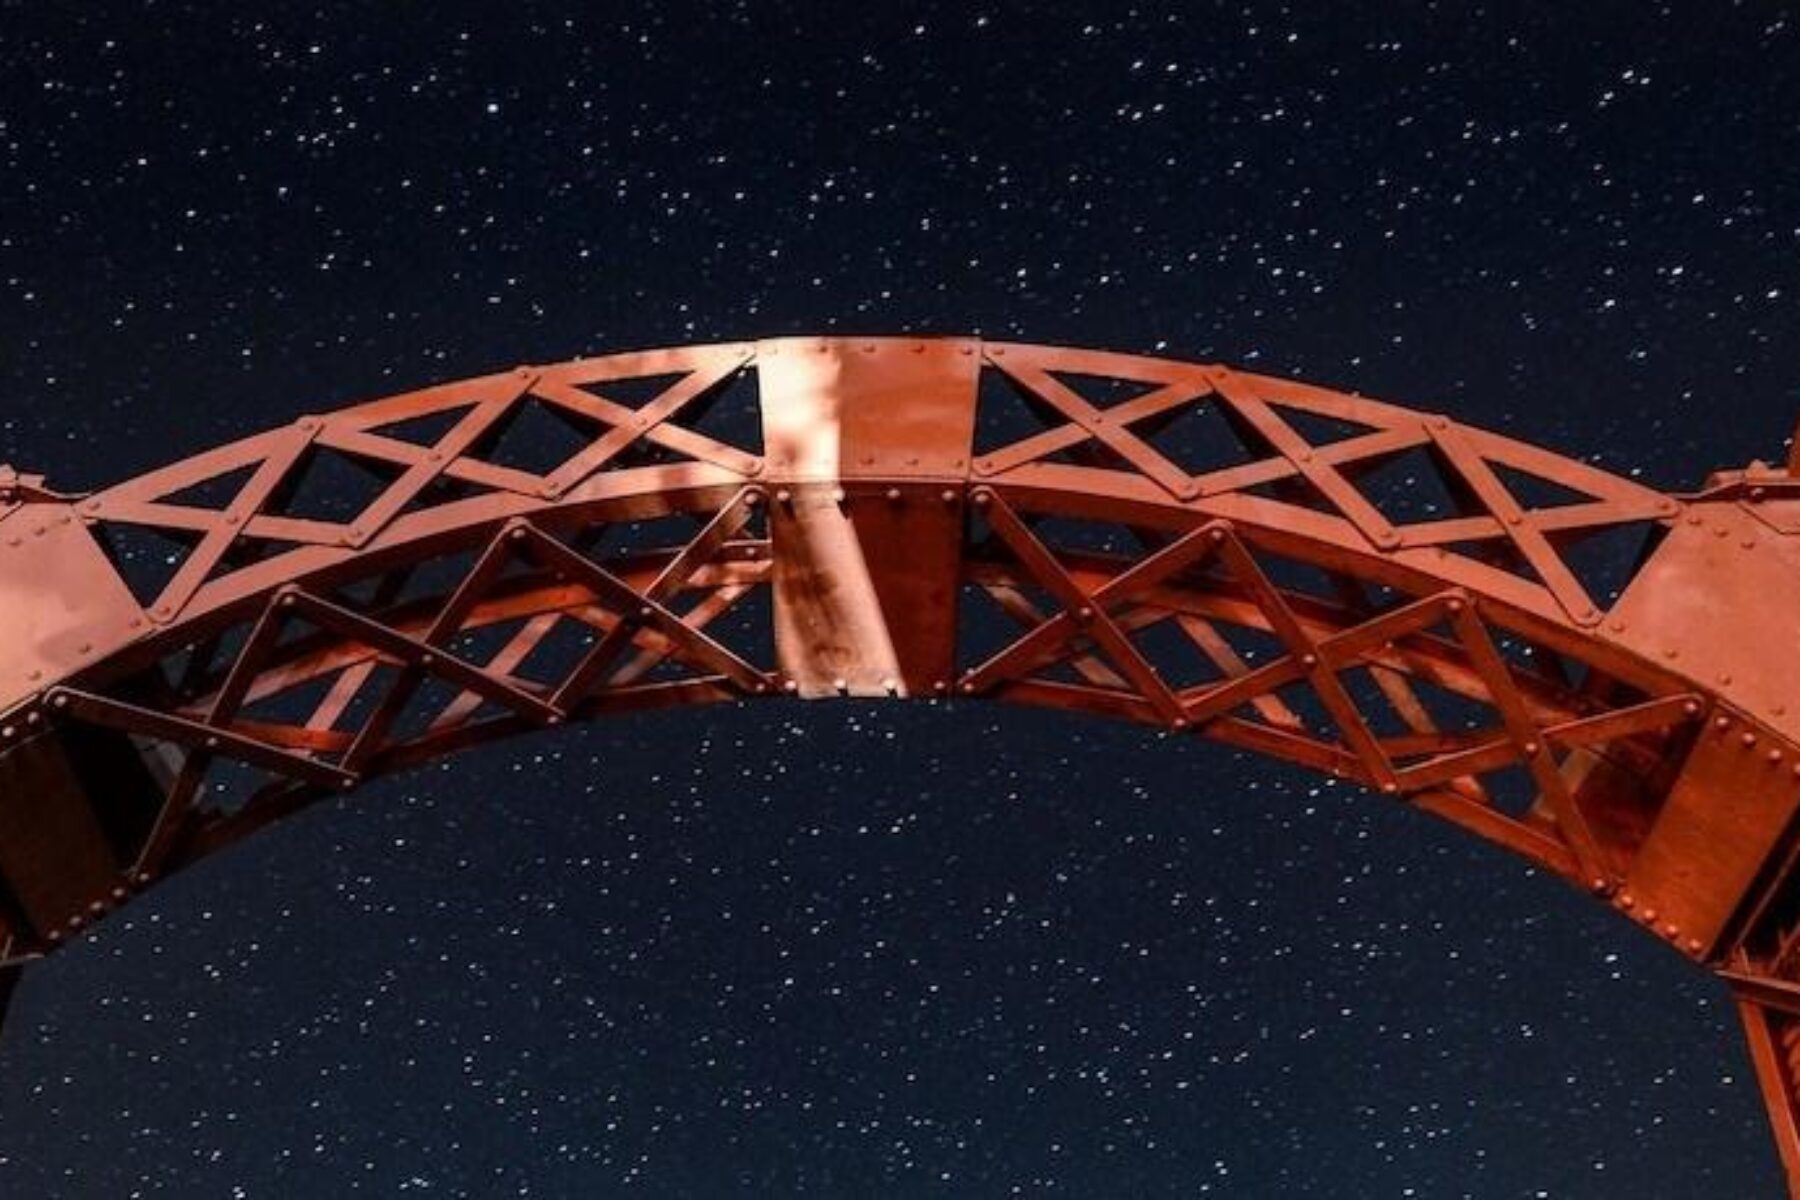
(861, 949)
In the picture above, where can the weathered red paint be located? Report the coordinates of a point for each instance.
(865, 525)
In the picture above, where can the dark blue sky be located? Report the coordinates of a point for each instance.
(852, 949)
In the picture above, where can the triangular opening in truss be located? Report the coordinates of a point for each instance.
(1077, 535)
(746, 625)
(442, 490)
(1534, 492)
(1007, 413)
(1105, 391)
(661, 536)
(424, 430)
(1296, 491)
(1320, 429)
(147, 558)
(729, 412)
(1605, 558)
(636, 391)
(216, 494)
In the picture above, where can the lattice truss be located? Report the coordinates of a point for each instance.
(1380, 595)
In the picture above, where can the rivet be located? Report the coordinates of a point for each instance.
(1530, 748)
(1721, 723)
(842, 685)
(1627, 900)
(517, 535)
(983, 499)
(893, 495)
(890, 687)
(1691, 708)
(783, 496)
(1775, 756)
(1084, 613)
(1649, 916)
(1390, 787)
(790, 686)
(1694, 946)
(837, 495)
(940, 686)
(1309, 660)
(1725, 677)
(1455, 605)
(948, 496)
(1671, 653)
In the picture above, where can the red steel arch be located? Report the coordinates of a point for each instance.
(1579, 668)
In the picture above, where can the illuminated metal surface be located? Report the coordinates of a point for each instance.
(1520, 643)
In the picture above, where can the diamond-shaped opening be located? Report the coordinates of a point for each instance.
(146, 557)
(1105, 391)
(536, 437)
(480, 644)
(1174, 654)
(730, 411)
(1006, 412)
(1254, 646)
(1606, 558)
(217, 493)
(328, 485)
(1093, 537)
(377, 678)
(428, 701)
(555, 650)
(1535, 492)
(1321, 429)
(1410, 487)
(424, 430)
(1200, 437)
(1300, 699)
(1399, 705)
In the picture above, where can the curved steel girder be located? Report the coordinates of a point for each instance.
(1379, 594)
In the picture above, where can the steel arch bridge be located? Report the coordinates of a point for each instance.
(1585, 671)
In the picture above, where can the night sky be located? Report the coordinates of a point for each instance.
(860, 949)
